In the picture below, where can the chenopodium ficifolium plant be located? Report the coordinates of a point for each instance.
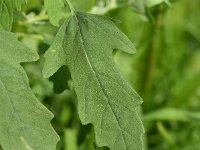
(85, 43)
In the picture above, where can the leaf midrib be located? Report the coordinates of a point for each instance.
(98, 80)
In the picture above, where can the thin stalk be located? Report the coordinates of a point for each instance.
(71, 7)
(151, 60)
(37, 19)
(32, 36)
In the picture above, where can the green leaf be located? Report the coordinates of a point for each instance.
(24, 121)
(70, 136)
(151, 3)
(139, 6)
(85, 44)
(83, 5)
(168, 114)
(7, 7)
(55, 10)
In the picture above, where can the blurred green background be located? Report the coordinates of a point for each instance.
(165, 71)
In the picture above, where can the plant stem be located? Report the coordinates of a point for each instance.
(37, 18)
(71, 7)
(152, 57)
(32, 36)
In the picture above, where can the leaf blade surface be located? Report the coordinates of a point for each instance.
(24, 121)
(85, 44)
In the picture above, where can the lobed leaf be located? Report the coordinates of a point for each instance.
(24, 121)
(85, 44)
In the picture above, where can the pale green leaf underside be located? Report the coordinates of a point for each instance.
(85, 44)
(7, 7)
(151, 3)
(56, 10)
(24, 121)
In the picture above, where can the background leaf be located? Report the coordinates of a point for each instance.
(168, 114)
(56, 10)
(7, 8)
(151, 3)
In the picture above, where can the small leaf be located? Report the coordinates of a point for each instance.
(7, 7)
(85, 44)
(24, 121)
(151, 3)
(55, 10)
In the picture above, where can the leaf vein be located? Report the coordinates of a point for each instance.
(99, 82)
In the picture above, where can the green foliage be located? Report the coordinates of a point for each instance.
(55, 10)
(104, 98)
(58, 11)
(24, 122)
(168, 114)
(7, 8)
(151, 3)
(164, 71)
